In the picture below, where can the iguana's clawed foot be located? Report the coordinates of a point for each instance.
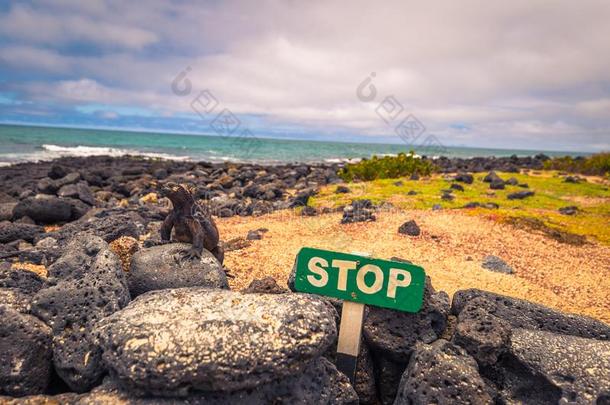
(227, 272)
(190, 254)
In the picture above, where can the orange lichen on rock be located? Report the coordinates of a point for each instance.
(124, 247)
(35, 268)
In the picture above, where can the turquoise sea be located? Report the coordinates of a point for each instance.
(28, 143)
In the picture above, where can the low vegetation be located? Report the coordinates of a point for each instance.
(538, 213)
(597, 165)
(387, 167)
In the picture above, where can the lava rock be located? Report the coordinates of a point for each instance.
(57, 172)
(395, 333)
(15, 299)
(44, 209)
(309, 211)
(17, 286)
(464, 178)
(492, 177)
(80, 191)
(358, 211)
(162, 267)
(89, 285)
(342, 189)
(254, 234)
(364, 382)
(320, 383)
(6, 211)
(171, 342)
(12, 231)
(520, 195)
(302, 197)
(409, 228)
(497, 185)
(528, 315)
(447, 197)
(549, 368)
(512, 181)
(484, 336)
(266, 285)
(442, 373)
(25, 354)
(572, 179)
(455, 186)
(495, 264)
(570, 210)
(108, 225)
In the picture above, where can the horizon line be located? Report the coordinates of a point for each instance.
(287, 138)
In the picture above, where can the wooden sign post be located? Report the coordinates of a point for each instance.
(358, 280)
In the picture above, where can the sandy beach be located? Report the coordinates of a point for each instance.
(573, 279)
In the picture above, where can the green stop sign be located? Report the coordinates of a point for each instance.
(365, 280)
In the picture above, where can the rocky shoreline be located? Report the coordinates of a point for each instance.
(154, 330)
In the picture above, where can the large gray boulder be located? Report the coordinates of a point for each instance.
(80, 191)
(320, 383)
(17, 287)
(44, 209)
(442, 373)
(170, 342)
(89, 284)
(548, 368)
(23, 280)
(25, 354)
(6, 210)
(528, 315)
(395, 333)
(15, 299)
(161, 267)
(108, 225)
(484, 336)
(12, 231)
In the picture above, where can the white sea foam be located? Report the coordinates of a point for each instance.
(50, 152)
(81, 150)
(342, 160)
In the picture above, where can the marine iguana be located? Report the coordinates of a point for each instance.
(191, 222)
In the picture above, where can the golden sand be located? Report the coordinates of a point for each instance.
(452, 244)
(35, 268)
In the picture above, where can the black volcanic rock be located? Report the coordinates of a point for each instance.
(44, 209)
(25, 353)
(442, 373)
(12, 231)
(395, 333)
(528, 315)
(89, 284)
(409, 228)
(520, 195)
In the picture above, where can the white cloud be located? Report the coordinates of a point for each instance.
(516, 71)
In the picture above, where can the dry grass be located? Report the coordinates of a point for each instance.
(570, 278)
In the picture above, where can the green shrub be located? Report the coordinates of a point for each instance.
(598, 164)
(386, 167)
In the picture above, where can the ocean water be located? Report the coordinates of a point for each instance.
(26, 143)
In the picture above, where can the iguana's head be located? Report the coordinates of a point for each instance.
(178, 194)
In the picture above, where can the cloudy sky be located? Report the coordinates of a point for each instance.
(509, 74)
